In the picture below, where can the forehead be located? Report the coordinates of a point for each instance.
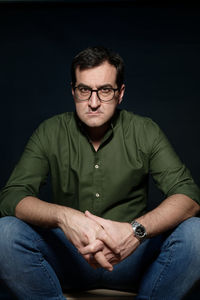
(97, 76)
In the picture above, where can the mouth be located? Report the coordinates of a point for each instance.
(94, 113)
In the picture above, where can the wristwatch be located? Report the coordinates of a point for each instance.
(139, 231)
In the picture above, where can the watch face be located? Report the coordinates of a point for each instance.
(140, 231)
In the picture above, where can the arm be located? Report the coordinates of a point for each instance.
(171, 212)
(79, 229)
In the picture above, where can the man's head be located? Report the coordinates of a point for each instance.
(97, 85)
(95, 56)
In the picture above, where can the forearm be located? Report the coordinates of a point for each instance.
(171, 212)
(38, 212)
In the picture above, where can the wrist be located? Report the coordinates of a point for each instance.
(61, 215)
(139, 231)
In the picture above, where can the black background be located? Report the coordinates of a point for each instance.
(159, 42)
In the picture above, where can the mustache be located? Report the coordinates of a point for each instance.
(94, 111)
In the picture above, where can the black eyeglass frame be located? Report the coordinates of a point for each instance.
(91, 91)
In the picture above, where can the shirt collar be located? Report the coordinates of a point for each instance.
(109, 133)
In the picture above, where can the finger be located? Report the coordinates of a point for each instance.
(94, 264)
(94, 247)
(111, 257)
(102, 261)
(91, 261)
(104, 237)
(87, 257)
(97, 219)
(114, 262)
(103, 234)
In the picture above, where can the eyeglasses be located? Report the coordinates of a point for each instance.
(105, 94)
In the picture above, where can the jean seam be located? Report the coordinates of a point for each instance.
(50, 278)
(41, 258)
(162, 272)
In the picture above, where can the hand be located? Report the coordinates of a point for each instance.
(122, 234)
(82, 231)
(111, 257)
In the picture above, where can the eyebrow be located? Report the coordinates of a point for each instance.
(106, 85)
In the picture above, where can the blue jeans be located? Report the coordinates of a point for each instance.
(38, 263)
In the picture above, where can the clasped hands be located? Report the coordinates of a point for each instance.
(102, 242)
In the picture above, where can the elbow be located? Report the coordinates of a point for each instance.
(195, 209)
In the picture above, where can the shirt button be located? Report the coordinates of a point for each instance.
(96, 166)
(97, 195)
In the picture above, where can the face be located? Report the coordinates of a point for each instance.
(93, 112)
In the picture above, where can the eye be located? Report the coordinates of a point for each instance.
(106, 90)
(83, 89)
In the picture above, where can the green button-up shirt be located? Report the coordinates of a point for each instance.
(111, 182)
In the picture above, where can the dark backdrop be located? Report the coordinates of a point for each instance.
(160, 44)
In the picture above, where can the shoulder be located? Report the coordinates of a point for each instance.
(138, 123)
(58, 120)
(55, 124)
(53, 130)
(140, 130)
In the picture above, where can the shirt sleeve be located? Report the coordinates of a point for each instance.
(170, 175)
(28, 176)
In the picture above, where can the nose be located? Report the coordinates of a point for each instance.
(94, 101)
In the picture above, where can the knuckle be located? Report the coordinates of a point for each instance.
(100, 243)
(92, 248)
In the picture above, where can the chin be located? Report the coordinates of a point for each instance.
(94, 124)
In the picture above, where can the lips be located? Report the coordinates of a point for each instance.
(94, 113)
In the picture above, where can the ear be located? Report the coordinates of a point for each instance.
(72, 89)
(121, 93)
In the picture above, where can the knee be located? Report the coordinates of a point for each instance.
(187, 236)
(190, 230)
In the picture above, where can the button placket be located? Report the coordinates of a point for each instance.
(97, 182)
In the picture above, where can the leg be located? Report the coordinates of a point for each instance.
(177, 268)
(161, 268)
(34, 261)
(128, 274)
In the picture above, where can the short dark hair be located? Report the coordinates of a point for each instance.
(94, 56)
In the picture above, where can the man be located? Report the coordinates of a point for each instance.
(97, 232)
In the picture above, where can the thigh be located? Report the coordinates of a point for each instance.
(71, 268)
(177, 268)
(23, 248)
(128, 274)
(155, 267)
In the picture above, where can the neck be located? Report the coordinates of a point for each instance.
(97, 133)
